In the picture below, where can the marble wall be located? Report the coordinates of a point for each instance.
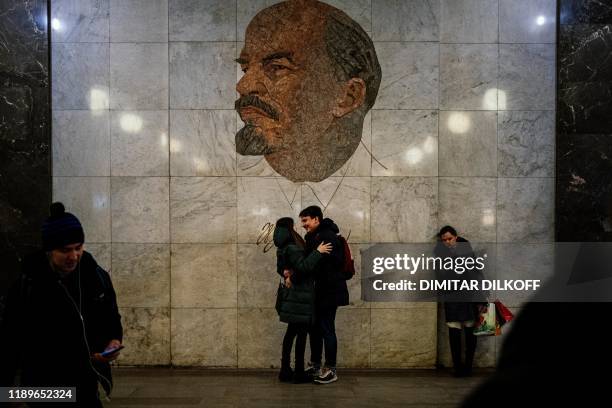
(25, 133)
(584, 123)
(143, 143)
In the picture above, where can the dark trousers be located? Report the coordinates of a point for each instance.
(323, 332)
(454, 336)
(299, 330)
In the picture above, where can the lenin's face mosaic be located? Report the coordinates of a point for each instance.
(310, 76)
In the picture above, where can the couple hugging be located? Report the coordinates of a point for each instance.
(313, 270)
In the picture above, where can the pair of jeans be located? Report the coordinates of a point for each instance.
(323, 332)
(299, 330)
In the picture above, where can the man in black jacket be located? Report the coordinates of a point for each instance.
(60, 315)
(330, 292)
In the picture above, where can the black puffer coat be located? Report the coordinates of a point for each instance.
(295, 304)
(330, 286)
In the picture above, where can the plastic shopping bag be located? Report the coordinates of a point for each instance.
(487, 324)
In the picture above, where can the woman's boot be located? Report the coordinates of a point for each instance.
(286, 373)
(454, 337)
(470, 350)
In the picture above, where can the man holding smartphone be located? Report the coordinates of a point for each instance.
(61, 326)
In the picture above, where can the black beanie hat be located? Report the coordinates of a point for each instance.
(61, 229)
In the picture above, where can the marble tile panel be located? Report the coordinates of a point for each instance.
(469, 21)
(203, 209)
(585, 12)
(146, 335)
(410, 75)
(584, 93)
(260, 335)
(257, 277)
(202, 143)
(139, 76)
(88, 198)
(102, 254)
(403, 338)
(404, 209)
(582, 187)
(139, 21)
(527, 21)
(526, 77)
(139, 141)
(202, 20)
(353, 332)
(81, 76)
(346, 201)
(468, 144)
(397, 20)
(204, 337)
(203, 275)
(525, 210)
(202, 75)
(81, 143)
(79, 21)
(354, 284)
(405, 143)
(263, 200)
(526, 144)
(468, 76)
(141, 274)
(140, 209)
(469, 205)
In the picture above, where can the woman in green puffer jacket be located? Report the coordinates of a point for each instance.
(295, 302)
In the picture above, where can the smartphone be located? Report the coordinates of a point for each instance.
(112, 351)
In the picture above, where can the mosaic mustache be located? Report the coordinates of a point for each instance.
(254, 101)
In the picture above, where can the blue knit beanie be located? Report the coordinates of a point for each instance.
(61, 229)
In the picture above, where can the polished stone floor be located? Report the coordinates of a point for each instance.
(164, 387)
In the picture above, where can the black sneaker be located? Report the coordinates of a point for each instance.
(313, 371)
(327, 376)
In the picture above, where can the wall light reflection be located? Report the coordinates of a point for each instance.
(413, 155)
(175, 146)
(488, 218)
(541, 20)
(200, 165)
(429, 145)
(261, 212)
(100, 201)
(98, 100)
(494, 99)
(459, 122)
(131, 123)
(56, 24)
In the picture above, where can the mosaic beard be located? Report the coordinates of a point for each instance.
(251, 142)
